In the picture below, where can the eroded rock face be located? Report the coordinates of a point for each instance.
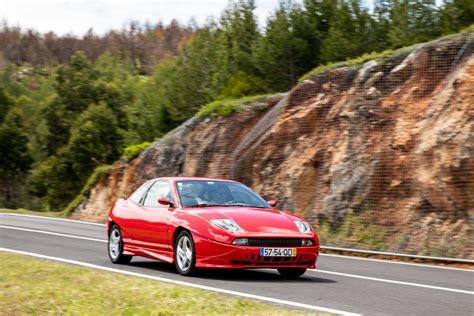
(392, 138)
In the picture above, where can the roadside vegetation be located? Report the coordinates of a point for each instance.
(29, 212)
(70, 105)
(33, 286)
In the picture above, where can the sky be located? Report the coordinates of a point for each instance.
(77, 16)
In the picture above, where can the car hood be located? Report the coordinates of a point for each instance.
(254, 221)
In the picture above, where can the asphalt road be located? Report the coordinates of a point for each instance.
(342, 283)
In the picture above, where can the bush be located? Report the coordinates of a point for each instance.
(134, 150)
(86, 189)
(226, 107)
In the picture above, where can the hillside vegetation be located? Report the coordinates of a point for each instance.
(69, 105)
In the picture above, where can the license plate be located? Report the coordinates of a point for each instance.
(278, 252)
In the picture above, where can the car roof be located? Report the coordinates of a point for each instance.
(194, 178)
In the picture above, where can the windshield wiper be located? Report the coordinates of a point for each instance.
(203, 205)
(244, 205)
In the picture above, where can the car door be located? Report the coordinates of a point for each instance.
(130, 213)
(153, 230)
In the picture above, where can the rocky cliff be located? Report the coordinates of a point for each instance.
(377, 155)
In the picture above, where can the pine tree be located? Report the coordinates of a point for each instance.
(455, 15)
(280, 55)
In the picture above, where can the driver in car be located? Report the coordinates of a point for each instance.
(218, 196)
(190, 194)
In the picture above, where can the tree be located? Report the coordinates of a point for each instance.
(236, 36)
(15, 159)
(6, 102)
(455, 15)
(412, 22)
(350, 33)
(95, 140)
(281, 55)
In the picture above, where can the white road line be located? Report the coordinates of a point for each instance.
(52, 218)
(188, 284)
(396, 262)
(394, 282)
(52, 233)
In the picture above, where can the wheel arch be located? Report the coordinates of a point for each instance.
(176, 232)
(111, 224)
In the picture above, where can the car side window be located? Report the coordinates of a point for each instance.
(138, 194)
(159, 189)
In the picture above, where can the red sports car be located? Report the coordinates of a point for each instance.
(209, 223)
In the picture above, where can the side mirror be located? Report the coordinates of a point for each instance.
(165, 201)
(272, 203)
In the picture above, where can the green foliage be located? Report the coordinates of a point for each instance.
(281, 55)
(134, 150)
(356, 61)
(95, 140)
(220, 108)
(86, 189)
(14, 162)
(355, 230)
(242, 84)
(6, 102)
(469, 29)
(225, 107)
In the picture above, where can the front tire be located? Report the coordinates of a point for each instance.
(115, 246)
(291, 273)
(185, 254)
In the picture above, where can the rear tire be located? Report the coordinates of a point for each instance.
(115, 247)
(185, 254)
(291, 273)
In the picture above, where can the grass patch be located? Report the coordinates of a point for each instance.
(225, 107)
(34, 286)
(86, 189)
(134, 150)
(469, 29)
(355, 61)
(29, 212)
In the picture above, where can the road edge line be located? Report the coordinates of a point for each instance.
(52, 233)
(421, 265)
(433, 287)
(54, 218)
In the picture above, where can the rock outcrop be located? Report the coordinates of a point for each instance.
(387, 145)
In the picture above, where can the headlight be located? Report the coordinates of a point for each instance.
(307, 243)
(303, 227)
(241, 242)
(228, 224)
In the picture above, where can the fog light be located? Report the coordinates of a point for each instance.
(307, 243)
(241, 242)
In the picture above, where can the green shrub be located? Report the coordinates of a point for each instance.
(86, 189)
(356, 230)
(352, 62)
(225, 107)
(134, 150)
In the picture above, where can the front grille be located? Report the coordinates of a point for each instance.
(257, 260)
(275, 242)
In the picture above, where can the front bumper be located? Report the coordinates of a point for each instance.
(212, 254)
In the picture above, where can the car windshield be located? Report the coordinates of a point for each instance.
(199, 193)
